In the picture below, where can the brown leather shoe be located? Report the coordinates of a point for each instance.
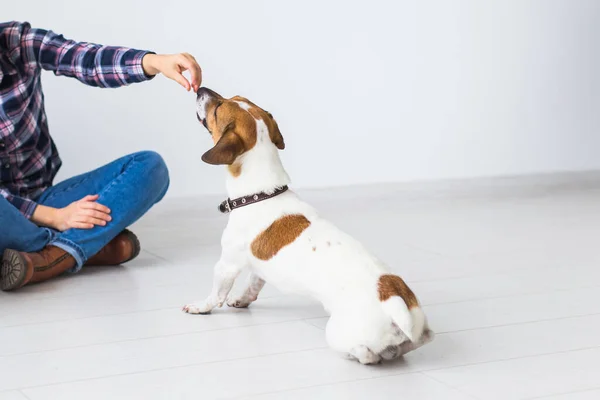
(123, 248)
(19, 268)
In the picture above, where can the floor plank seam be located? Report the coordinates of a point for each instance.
(151, 337)
(543, 354)
(283, 322)
(452, 387)
(563, 393)
(517, 323)
(424, 371)
(281, 295)
(171, 368)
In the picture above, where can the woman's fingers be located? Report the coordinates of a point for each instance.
(90, 197)
(86, 213)
(173, 66)
(81, 225)
(95, 206)
(187, 63)
(91, 220)
(97, 215)
(195, 71)
(91, 216)
(178, 77)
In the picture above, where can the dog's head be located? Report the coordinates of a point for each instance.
(233, 124)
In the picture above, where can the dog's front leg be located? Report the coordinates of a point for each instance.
(226, 272)
(250, 294)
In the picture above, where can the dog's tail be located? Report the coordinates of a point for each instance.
(402, 306)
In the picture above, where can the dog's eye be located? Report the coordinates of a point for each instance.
(216, 108)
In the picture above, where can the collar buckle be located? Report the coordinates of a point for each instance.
(224, 207)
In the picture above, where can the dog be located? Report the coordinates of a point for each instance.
(375, 316)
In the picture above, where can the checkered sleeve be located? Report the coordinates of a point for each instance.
(92, 64)
(25, 206)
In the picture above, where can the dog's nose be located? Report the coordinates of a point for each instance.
(201, 91)
(206, 92)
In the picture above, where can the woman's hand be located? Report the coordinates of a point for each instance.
(172, 66)
(82, 214)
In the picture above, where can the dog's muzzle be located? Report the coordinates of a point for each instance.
(202, 120)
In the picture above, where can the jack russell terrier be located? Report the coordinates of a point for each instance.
(374, 314)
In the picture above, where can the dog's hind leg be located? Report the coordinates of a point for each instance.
(343, 336)
(225, 274)
(253, 287)
(364, 355)
(409, 346)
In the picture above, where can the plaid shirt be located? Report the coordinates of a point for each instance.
(29, 160)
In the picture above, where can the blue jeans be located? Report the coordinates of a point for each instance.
(128, 186)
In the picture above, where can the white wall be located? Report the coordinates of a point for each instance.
(364, 91)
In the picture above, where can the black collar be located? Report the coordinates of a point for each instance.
(229, 205)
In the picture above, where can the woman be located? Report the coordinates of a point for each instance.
(48, 229)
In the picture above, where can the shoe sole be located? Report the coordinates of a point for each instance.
(136, 245)
(13, 270)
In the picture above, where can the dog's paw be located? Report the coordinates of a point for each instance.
(197, 308)
(241, 302)
(390, 352)
(364, 355)
(428, 336)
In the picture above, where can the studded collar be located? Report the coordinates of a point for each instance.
(229, 205)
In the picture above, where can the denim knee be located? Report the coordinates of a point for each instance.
(156, 171)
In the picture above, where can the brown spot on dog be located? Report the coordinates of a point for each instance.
(278, 235)
(392, 285)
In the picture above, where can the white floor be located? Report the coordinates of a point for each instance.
(509, 277)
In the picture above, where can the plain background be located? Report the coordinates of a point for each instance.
(363, 91)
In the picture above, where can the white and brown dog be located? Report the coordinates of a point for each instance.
(374, 314)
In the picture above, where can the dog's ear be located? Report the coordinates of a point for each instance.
(275, 135)
(227, 149)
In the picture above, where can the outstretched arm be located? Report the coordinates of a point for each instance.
(94, 64)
